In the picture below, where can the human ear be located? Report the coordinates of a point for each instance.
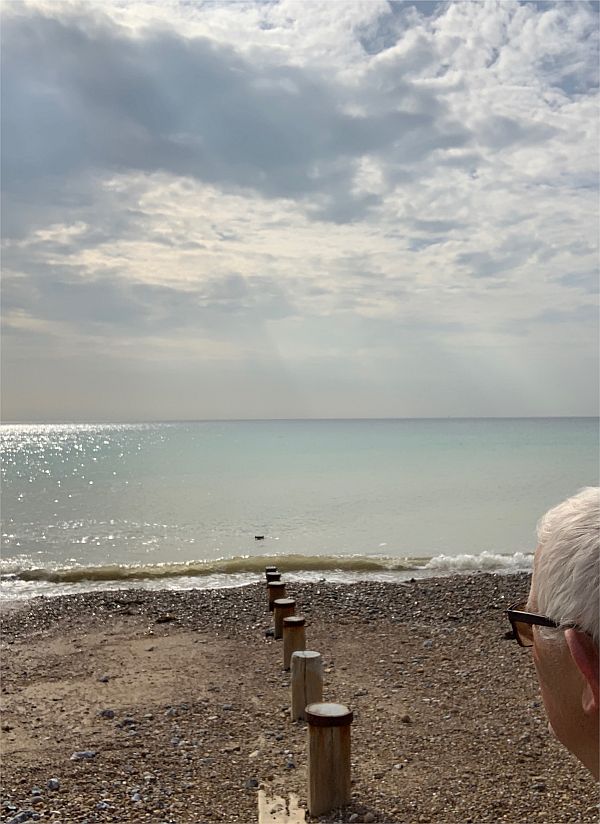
(584, 653)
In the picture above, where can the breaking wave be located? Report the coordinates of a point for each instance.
(484, 562)
(227, 566)
(353, 565)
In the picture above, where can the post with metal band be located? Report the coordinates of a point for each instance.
(275, 589)
(307, 681)
(294, 638)
(329, 784)
(283, 608)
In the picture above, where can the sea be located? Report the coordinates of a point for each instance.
(181, 505)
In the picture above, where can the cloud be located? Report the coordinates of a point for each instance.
(372, 187)
(99, 99)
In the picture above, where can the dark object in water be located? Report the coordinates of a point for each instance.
(259, 537)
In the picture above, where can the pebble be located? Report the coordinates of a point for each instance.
(368, 818)
(36, 791)
(353, 818)
(540, 786)
(104, 679)
(406, 719)
(227, 707)
(251, 784)
(136, 797)
(23, 815)
(106, 713)
(81, 755)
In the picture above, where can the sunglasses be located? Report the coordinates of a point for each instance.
(522, 623)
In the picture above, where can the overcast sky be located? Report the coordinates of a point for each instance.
(299, 209)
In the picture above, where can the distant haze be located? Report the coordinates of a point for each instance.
(289, 209)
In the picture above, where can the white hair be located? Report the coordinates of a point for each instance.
(568, 562)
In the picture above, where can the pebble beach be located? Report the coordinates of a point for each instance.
(173, 707)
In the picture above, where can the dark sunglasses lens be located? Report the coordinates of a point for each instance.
(524, 633)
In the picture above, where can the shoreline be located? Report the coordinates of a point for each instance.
(182, 697)
(228, 573)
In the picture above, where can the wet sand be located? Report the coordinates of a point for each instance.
(182, 699)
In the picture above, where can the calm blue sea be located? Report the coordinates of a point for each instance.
(179, 504)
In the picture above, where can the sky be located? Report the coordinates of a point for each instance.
(299, 209)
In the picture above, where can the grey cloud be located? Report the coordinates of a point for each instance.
(498, 132)
(65, 294)
(80, 94)
(586, 281)
(511, 253)
(384, 32)
(486, 265)
(561, 323)
(585, 313)
(437, 225)
(51, 199)
(343, 209)
(415, 244)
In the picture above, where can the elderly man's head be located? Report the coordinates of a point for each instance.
(563, 624)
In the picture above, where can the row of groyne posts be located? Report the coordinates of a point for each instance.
(329, 784)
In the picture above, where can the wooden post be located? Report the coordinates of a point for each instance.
(294, 637)
(328, 757)
(275, 589)
(283, 608)
(273, 576)
(269, 569)
(307, 681)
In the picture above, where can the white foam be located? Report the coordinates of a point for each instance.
(484, 561)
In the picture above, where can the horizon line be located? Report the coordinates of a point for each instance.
(297, 420)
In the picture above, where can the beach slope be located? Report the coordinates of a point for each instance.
(173, 706)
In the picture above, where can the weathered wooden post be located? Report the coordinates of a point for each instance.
(273, 576)
(275, 589)
(269, 569)
(294, 638)
(283, 608)
(307, 681)
(328, 757)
